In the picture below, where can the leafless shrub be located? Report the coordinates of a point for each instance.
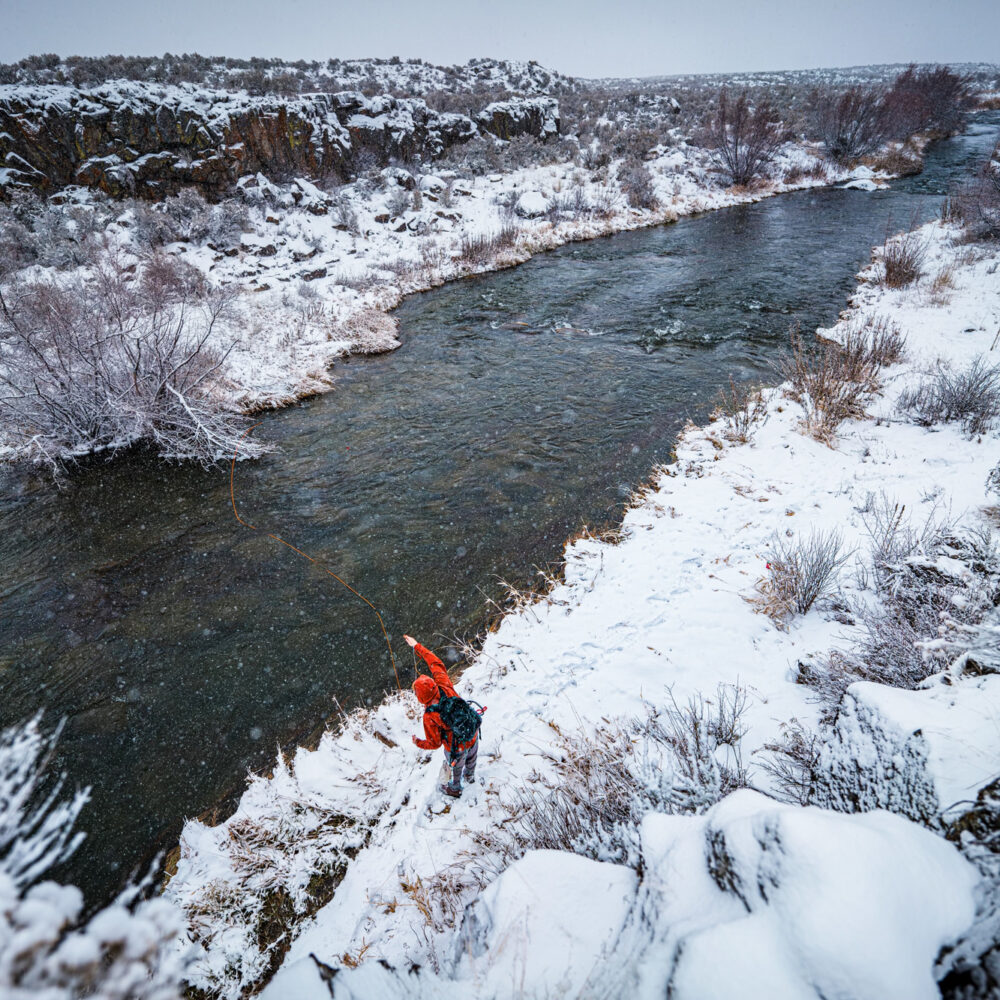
(112, 360)
(744, 139)
(902, 258)
(605, 202)
(897, 159)
(922, 606)
(932, 100)
(831, 383)
(345, 215)
(188, 217)
(976, 202)
(671, 761)
(742, 408)
(637, 184)
(801, 571)
(970, 397)
(36, 231)
(893, 537)
(791, 762)
(398, 203)
(853, 124)
(480, 249)
(942, 284)
(875, 344)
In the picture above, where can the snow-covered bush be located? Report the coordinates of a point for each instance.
(679, 759)
(637, 185)
(114, 358)
(127, 951)
(969, 396)
(932, 586)
(189, 217)
(36, 231)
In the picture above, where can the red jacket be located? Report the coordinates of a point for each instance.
(430, 694)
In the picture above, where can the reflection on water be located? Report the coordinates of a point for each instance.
(183, 648)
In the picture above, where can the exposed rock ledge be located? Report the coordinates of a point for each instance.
(133, 138)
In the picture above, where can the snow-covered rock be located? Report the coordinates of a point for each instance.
(754, 899)
(918, 753)
(531, 204)
(762, 900)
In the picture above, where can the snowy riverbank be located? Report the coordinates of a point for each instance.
(314, 274)
(338, 269)
(654, 658)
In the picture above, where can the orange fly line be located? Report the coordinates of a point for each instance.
(305, 555)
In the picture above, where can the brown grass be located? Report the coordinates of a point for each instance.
(902, 259)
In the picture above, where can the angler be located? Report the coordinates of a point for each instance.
(449, 721)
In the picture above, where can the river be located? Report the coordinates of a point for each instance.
(182, 648)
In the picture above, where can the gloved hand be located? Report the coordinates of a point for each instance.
(410, 641)
(414, 740)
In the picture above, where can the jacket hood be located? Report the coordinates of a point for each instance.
(426, 690)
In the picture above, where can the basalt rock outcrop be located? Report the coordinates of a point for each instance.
(149, 140)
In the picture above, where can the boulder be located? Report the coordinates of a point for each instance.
(531, 204)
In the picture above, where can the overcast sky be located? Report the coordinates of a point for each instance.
(581, 38)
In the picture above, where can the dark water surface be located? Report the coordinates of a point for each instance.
(181, 647)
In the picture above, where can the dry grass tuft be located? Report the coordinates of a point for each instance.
(742, 407)
(902, 258)
(801, 571)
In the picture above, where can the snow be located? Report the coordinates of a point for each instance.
(957, 726)
(753, 899)
(537, 924)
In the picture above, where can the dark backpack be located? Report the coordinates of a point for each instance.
(458, 716)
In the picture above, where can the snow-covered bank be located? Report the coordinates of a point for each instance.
(314, 273)
(335, 262)
(645, 648)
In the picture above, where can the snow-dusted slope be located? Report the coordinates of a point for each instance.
(412, 77)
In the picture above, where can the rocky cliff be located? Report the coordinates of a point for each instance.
(133, 138)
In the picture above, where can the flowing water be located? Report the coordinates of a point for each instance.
(182, 648)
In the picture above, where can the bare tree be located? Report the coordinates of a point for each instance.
(977, 201)
(114, 360)
(744, 139)
(855, 123)
(934, 100)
